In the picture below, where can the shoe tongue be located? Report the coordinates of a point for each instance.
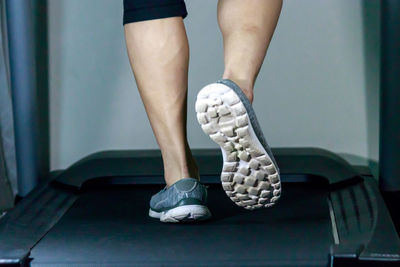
(186, 183)
(184, 180)
(187, 178)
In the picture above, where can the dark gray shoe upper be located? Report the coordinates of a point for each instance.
(252, 116)
(187, 191)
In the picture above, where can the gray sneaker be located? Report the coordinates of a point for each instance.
(250, 175)
(183, 201)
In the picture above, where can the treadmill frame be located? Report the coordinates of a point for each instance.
(36, 214)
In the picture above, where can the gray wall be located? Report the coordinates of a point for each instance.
(318, 86)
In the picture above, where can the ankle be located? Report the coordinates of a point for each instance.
(245, 84)
(175, 170)
(172, 176)
(191, 169)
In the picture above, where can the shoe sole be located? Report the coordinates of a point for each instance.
(187, 213)
(249, 176)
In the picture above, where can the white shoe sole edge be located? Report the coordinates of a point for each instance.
(249, 176)
(185, 213)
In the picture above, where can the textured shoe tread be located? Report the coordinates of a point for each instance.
(249, 176)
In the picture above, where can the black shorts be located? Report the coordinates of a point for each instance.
(139, 10)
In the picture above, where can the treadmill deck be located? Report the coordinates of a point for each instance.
(109, 226)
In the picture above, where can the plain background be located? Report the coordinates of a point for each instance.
(318, 87)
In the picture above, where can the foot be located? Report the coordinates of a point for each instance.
(250, 175)
(184, 201)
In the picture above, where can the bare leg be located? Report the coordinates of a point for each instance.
(159, 55)
(247, 28)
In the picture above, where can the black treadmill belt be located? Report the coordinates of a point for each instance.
(110, 227)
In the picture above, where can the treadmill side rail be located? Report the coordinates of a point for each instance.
(366, 232)
(22, 227)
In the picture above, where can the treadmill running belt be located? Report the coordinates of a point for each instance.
(109, 226)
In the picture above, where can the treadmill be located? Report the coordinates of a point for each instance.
(94, 213)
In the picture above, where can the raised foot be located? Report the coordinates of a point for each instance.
(249, 176)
